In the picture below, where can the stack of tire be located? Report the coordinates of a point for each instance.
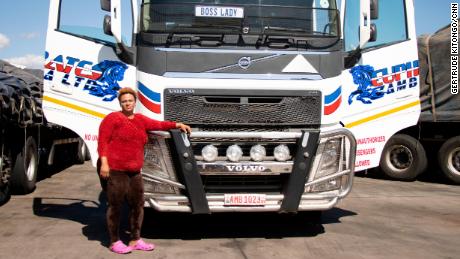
(20, 96)
(20, 106)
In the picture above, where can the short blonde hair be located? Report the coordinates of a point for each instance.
(126, 90)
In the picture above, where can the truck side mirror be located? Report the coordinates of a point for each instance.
(115, 20)
(112, 26)
(107, 25)
(364, 22)
(374, 9)
(105, 5)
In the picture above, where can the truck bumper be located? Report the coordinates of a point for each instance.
(307, 186)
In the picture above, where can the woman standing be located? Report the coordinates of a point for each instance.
(122, 136)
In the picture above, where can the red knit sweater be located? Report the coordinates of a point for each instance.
(122, 140)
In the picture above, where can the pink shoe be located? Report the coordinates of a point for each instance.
(120, 248)
(141, 245)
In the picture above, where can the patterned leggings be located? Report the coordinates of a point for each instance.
(123, 186)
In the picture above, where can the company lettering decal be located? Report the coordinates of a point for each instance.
(332, 101)
(366, 148)
(99, 80)
(150, 99)
(375, 84)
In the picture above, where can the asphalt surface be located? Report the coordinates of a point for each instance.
(65, 218)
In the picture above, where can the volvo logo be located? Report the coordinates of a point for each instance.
(181, 91)
(245, 168)
(244, 62)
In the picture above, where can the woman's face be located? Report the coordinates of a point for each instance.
(127, 103)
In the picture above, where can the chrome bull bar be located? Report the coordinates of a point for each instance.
(309, 201)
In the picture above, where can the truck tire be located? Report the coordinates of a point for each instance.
(5, 172)
(82, 152)
(403, 158)
(25, 168)
(449, 159)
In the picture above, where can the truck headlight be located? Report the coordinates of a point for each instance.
(158, 162)
(329, 158)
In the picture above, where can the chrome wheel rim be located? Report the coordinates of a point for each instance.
(453, 161)
(399, 158)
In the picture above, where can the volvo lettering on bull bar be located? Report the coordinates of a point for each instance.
(245, 168)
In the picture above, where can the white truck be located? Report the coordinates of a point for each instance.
(286, 98)
(409, 152)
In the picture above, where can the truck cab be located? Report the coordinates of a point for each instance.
(286, 98)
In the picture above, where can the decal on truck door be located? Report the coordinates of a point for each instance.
(99, 80)
(375, 84)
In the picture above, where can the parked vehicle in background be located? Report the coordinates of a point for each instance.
(286, 98)
(28, 142)
(405, 156)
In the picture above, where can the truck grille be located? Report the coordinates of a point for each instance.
(206, 107)
(243, 184)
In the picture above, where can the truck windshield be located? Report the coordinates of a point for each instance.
(295, 18)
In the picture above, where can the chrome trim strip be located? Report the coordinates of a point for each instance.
(242, 76)
(163, 134)
(230, 134)
(327, 178)
(177, 208)
(243, 51)
(237, 65)
(160, 180)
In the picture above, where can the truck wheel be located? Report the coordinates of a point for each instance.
(82, 152)
(25, 168)
(5, 171)
(449, 159)
(403, 158)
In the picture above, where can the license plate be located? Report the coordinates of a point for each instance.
(244, 199)
(219, 11)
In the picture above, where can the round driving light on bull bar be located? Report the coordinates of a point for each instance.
(281, 153)
(257, 153)
(234, 153)
(209, 153)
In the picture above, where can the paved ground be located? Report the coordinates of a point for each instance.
(64, 218)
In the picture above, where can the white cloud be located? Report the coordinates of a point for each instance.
(4, 41)
(29, 61)
(30, 35)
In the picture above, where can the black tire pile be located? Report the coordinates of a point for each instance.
(20, 96)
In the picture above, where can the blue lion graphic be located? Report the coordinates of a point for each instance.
(362, 76)
(107, 85)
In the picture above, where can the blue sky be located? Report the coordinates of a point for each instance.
(24, 22)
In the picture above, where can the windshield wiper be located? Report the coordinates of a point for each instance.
(276, 30)
(198, 28)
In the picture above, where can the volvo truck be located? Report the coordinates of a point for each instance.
(287, 99)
